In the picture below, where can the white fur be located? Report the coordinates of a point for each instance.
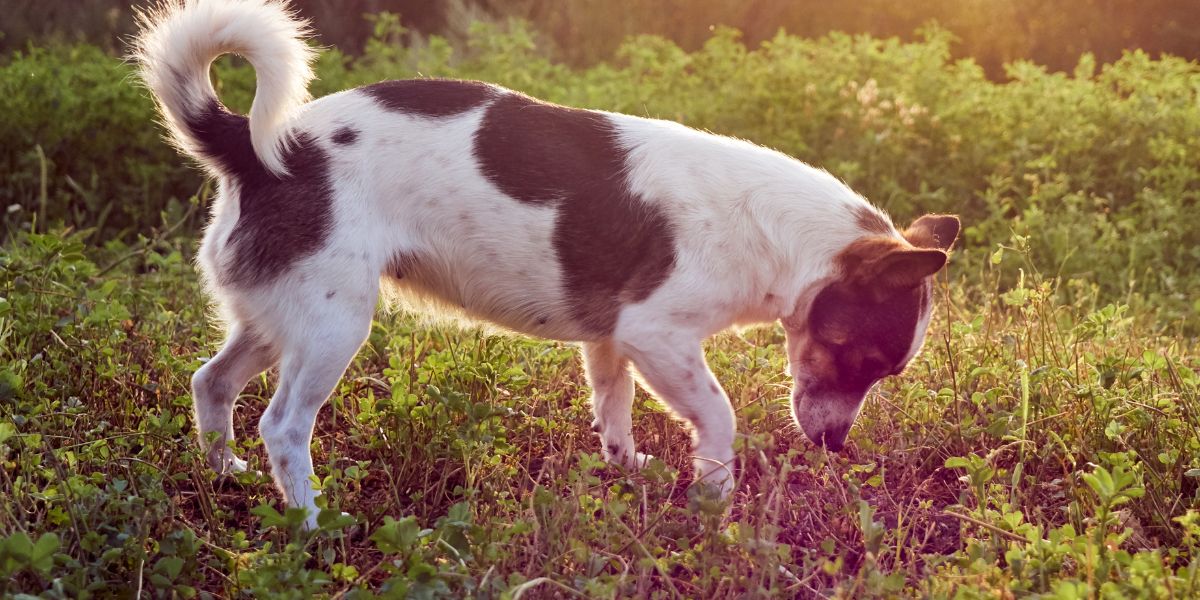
(752, 223)
(918, 339)
(181, 38)
(755, 233)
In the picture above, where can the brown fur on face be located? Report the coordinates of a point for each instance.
(863, 326)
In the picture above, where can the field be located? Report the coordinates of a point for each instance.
(1046, 443)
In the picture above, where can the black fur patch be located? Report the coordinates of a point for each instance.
(224, 139)
(430, 97)
(281, 220)
(344, 136)
(613, 247)
(871, 339)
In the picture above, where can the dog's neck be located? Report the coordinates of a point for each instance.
(804, 227)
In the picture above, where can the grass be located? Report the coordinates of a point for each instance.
(1002, 461)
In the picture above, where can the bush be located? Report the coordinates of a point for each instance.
(81, 146)
(1094, 172)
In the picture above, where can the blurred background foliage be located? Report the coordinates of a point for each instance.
(1092, 172)
(582, 32)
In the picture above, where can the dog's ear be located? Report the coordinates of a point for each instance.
(882, 266)
(903, 269)
(933, 231)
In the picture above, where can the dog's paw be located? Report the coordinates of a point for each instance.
(332, 522)
(226, 463)
(709, 498)
(714, 477)
(234, 464)
(634, 461)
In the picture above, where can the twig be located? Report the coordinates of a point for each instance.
(637, 543)
(988, 526)
(532, 583)
(43, 193)
(141, 569)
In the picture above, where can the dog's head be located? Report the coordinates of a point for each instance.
(864, 325)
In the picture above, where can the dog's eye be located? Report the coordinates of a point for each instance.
(833, 334)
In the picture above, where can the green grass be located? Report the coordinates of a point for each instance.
(1046, 442)
(1002, 459)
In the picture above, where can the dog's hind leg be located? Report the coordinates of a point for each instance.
(315, 351)
(215, 387)
(612, 402)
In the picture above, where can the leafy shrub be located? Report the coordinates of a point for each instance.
(81, 145)
(1095, 170)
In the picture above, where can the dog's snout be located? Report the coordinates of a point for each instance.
(823, 428)
(833, 438)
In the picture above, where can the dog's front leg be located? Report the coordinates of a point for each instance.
(674, 369)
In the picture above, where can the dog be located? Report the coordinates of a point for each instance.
(636, 238)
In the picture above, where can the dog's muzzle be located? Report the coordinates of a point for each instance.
(826, 421)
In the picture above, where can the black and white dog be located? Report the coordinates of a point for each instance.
(636, 237)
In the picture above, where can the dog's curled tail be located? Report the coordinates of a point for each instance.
(176, 45)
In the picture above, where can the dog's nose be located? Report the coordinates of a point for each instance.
(833, 438)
